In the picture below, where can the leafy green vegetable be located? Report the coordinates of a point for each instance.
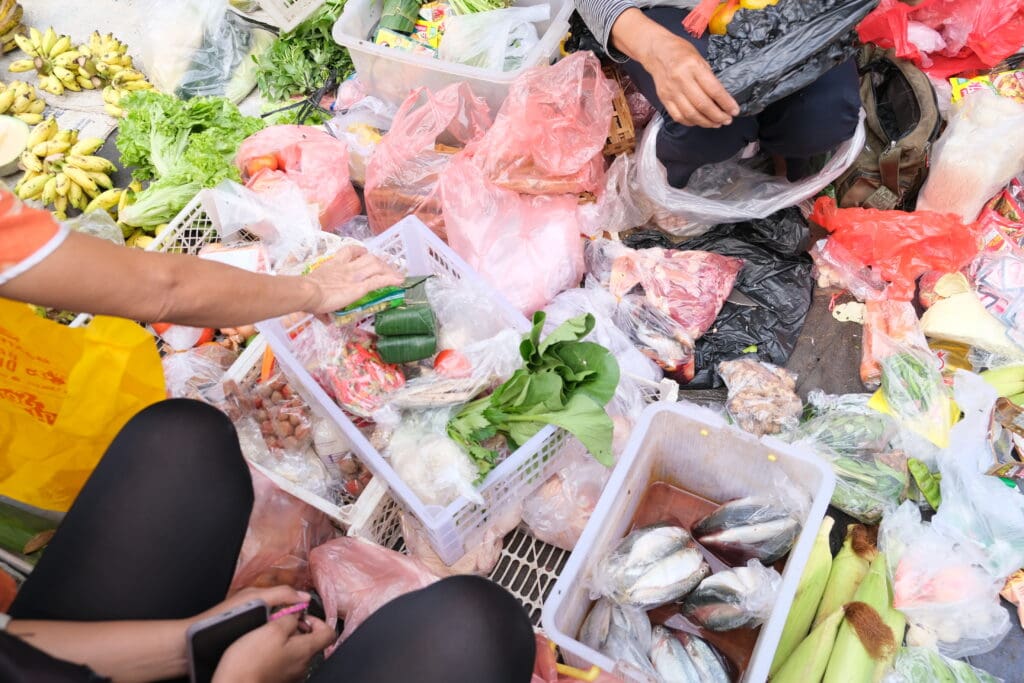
(564, 382)
(910, 384)
(866, 487)
(473, 6)
(300, 62)
(182, 146)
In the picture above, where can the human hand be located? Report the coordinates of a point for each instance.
(687, 86)
(274, 597)
(347, 276)
(277, 652)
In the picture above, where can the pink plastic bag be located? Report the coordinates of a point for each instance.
(282, 531)
(527, 247)
(900, 246)
(355, 578)
(978, 34)
(402, 174)
(549, 135)
(308, 157)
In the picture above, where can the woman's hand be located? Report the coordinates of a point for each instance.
(349, 275)
(277, 596)
(277, 652)
(691, 93)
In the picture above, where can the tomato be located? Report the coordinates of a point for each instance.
(257, 164)
(452, 364)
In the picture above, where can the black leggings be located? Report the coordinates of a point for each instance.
(156, 531)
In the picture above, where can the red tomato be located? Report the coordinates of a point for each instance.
(452, 364)
(257, 164)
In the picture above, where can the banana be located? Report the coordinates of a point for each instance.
(31, 162)
(63, 185)
(113, 110)
(63, 44)
(52, 85)
(70, 84)
(36, 37)
(80, 177)
(85, 83)
(137, 85)
(60, 208)
(92, 164)
(36, 108)
(102, 180)
(31, 119)
(20, 105)
(126, 196)
(86, 146)
(28, 47)
(67, 59)
(63, 74)
(6, 99)
(111, 95)
(105, 200)
(49, 193)
(33, 188)
(47, 41)
(130, 75)
(42, 132)
(68, 135)
(22, 65)
(45, 149)
(76, 196)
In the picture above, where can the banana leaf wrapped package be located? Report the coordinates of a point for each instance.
(400, 15)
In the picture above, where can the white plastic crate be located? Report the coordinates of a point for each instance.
(454, 528)
(391, 74)
(286, 14)
(692, 447)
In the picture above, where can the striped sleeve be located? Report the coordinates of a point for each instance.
(599, 16)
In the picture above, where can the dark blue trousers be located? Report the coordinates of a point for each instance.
(810, 122)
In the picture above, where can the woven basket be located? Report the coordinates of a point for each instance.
(622, 135)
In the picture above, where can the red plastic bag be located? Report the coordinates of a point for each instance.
(527, 247)
(978, 34)
(308, 157)
(282, 532)
(900, 246)
(402, 174)
(355, 578)
(549, 136)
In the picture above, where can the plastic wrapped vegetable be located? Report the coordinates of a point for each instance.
(913, 392)
(497, 40)
(914, 664)
(436, 469)
(887, 323)
(762, 398)
(355, 578)
(950, 601)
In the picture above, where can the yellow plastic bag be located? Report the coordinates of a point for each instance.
(64, 395)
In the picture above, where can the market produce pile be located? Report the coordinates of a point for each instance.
(559, 301)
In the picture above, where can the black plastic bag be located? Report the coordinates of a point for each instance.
(776, 282)
(771, 53)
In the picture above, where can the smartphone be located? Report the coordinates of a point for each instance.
(208, 639)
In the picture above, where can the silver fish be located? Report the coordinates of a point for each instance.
(670, 658)
(705, 659)
(748, 528)
(622, 634)
(651, 567)
(734, 598)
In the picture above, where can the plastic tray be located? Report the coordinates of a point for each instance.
(690, 446)
(454, 528)
(391, 74)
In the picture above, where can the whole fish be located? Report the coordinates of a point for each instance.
(670, 658)
(748, 528)
(651, 567)
(706, 660)
(620, 633)
(734, 598)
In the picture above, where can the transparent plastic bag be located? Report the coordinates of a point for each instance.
(656, 335)
(887, 323)
(919, 664)
(483, 555)
(402, 175)
(355, 578)
(621, 633)
(729, 192)
(282, 531)
(549, 135)
(836, 267)
(497, 40)
(897, 245)
(436, 469)
(960, 180)
(308, 157)
(560, 509)
(762, 397)
(98, 224)
(361, 126)
(950, 601)
(465, 315)
(527, 247)
(999, 282)
(741, 597)
(617, 208)
(199, 48)
(194, 372)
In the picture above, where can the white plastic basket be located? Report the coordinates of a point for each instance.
(391, 74)
(692, 447)
(287, 14)
(454, 528)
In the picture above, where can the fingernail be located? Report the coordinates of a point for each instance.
(305, 596)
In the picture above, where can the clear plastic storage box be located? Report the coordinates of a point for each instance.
(391, 74)
(692, 447)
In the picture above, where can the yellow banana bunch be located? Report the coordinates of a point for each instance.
(124, 83)
(19, 99)
(11, 13)
(52, 57)
(62, 171)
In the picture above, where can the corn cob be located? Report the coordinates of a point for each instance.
(808, 661)
(848, 569)
(863, 638)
